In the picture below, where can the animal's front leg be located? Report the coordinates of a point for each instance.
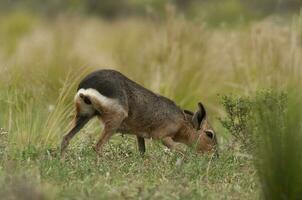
(169, 142)
(141, 145)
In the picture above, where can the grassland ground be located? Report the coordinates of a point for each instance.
(121, 173)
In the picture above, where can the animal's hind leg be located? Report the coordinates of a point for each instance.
(106, 135)
(79, 123)
(141, 145)
(109, 129)
(112, 114)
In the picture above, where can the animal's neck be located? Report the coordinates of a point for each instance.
(189, 135)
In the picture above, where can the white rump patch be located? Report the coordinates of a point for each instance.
(83, 107)
(110, 103)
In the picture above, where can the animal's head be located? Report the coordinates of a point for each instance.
(207, 140)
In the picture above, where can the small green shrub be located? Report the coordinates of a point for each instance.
(238, 111)
(240, 119)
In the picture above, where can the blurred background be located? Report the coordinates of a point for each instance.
(215, 12)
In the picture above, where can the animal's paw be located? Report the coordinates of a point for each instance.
(96, 150)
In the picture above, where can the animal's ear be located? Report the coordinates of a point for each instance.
(203, 110)
(188, 112)
(199, 115)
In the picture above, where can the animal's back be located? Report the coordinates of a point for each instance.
(145, 108)
(107, 82)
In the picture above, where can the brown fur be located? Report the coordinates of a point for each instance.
(124, 106)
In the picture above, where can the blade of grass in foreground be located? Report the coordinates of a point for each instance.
(29, 122)
(63, 109)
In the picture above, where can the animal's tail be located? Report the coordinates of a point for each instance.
(90, 100)
(86, 103)
(85, 98)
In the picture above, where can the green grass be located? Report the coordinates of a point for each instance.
(43, 60)
(121, 173)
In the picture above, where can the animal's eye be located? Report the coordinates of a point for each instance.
(210, 133)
